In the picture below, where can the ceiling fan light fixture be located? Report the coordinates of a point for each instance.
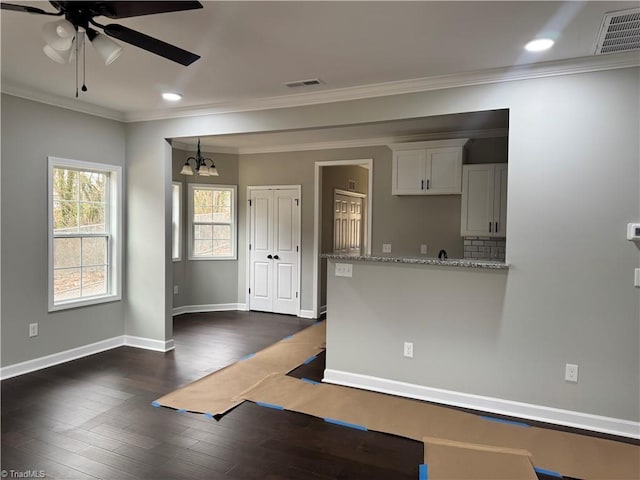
(61, 57)
(107, 48)
(59, 34)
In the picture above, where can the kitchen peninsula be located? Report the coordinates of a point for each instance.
(449, 311)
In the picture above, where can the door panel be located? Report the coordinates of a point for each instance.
(444, 173)
(275, 232)
(347, 223)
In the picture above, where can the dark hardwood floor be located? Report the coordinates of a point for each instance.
(92, 418)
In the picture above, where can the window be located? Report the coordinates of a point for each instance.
(176, 221)
(85, 240)
(212, 222)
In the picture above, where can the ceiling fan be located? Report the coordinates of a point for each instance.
(65, 37)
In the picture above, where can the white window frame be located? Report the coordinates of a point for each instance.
(234, 220)
(113, 216)
(176, 219)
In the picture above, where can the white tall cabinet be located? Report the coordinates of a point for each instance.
(484, 200)
(427, 168)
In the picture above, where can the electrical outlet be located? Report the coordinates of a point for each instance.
(176, 289)
(344, 270)
(386, 248)
(423, 249)
(571, 373)
(637, 278)
(33, 330)
(408, 349)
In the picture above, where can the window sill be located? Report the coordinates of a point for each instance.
(212, 258)
(84, 302)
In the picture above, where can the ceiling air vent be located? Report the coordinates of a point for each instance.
(303, 83)
(620, 32)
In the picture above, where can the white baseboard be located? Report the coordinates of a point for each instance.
(213, 307)
(83, 351)
(60, 357)
(306, 314)
(148, 343)
(586, 421)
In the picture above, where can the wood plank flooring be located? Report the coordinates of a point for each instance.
(92, 418)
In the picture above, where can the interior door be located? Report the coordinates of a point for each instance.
(347, 223)
(274, 250)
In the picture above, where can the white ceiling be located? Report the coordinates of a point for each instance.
(249, 49)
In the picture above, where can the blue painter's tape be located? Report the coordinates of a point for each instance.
(548, 472)
(247, 357)
(310, 359)
(318, 323)
(423, 472)
(288, 337)
(312, 382)
(208, 415)
(155, 404)
(270, 405)
(181, 410)
(508, 422)
(345, 424)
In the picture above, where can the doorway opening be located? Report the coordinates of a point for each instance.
(355, 179)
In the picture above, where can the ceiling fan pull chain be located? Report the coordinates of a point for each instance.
(84, 66)
(77, 63)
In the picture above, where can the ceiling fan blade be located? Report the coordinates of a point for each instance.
(135, 9)
(150, 44)
(26, 9)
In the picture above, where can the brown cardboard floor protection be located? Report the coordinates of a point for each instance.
(222, 390)
(262, 379)
(449, 460)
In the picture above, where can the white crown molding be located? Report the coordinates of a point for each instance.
(541, 413)
(355, 143)
(480, 77)
(495, 75)
(62, 102)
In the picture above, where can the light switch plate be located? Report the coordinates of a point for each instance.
(637, 278)
(344, 270)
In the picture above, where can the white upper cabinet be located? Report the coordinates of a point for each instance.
(484, 200)
(427, 168)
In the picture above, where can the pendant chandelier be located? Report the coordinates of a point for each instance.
(201, 167)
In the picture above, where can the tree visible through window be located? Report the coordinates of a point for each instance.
(212, 222)
(82, 244)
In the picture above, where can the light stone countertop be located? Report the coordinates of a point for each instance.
(450, 262)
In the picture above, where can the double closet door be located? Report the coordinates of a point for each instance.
(274, 249)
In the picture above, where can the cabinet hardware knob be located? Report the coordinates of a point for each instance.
(496, 227)
(490, 227)
(269, 256)
(276, 257)
(421, 184)
(427, 184)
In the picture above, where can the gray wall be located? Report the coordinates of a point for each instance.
(574, 183)
(204, 282)
(32, 131)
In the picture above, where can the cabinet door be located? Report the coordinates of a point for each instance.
(500, 201)
(408, 172)
(477, 200)
(444, 171)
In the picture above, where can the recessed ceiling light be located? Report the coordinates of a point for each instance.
(539, 44)
(172, 97)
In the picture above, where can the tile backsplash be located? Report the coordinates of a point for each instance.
(484, 248)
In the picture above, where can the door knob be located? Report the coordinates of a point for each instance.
(269, 256)
(276, 257)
